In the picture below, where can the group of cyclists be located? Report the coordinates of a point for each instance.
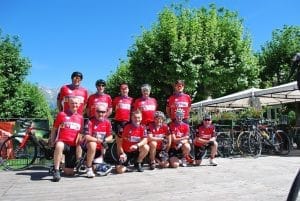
(141, 130)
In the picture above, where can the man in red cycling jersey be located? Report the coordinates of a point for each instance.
(64, 137)
(159, 140)
(98, 132)
(72, 90)
(99, 98)
(132, 144)
(180, 147)
(179, 100)
(122, 107)
(205, 139)
(146, 105)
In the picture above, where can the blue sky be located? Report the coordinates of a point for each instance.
(92, 36)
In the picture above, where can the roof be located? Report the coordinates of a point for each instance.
(277, 95)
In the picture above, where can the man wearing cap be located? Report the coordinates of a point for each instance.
(99, 98)
(146, 104)
(72, 90)
(205, 139)
(179, 100)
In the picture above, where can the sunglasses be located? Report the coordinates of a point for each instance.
(206, 119)
(100, 111)
(100, 85)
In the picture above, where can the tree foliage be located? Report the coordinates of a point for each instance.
(18, 99)
(276, 55)
(205, 47)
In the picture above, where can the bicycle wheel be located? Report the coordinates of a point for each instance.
(112, 151)
(225, 148)
(16, 158)
(243, 142)
(255, 145)
(282, 144)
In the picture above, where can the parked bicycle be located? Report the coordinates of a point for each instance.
(259, 139)
(20, 151)
(274, 141)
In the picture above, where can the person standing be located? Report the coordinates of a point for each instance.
(72, 90)
(179, 100)
(99, 98)
(122, 107)
(64, 137)
(146, 104)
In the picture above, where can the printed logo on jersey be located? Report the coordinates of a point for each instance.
(71, 125)
(125, 106)
(134, 139)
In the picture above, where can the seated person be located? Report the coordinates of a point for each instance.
(159, 141)
(180, 147)
(132, 144)
(64, 137)
(97, 134)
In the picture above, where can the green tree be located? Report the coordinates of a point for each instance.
(276, 55)
(28, 102)
(122, 75)
(18, 99)
(13, 67)
(205, 47)
(276, 60)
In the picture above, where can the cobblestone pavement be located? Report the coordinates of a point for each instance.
(264, 178)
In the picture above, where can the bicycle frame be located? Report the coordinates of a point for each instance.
(19, 152)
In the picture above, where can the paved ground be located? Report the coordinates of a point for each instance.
(248, 179)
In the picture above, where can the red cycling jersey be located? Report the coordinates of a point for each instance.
(99, 129)
(205, 133)
(160, 132)
(179, 100)
(179, 130)
(69, 125)
(122, 107)
(96, 99)
(68, 91)
(148, 107)
(132, 135)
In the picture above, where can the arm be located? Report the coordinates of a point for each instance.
(119, 145)
(52, 137)
(58, 103)
(109, 111)
(152, 138)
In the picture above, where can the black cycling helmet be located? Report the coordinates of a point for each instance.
(99, 82)
(78, 74)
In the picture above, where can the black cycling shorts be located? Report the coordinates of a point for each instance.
(70, 156)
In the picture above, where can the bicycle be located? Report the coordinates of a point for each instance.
(249, 140)
(19, 152)
(274, 141)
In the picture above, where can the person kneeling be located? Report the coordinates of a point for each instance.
(205, 139)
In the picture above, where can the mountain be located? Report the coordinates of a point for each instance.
(50, 95)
